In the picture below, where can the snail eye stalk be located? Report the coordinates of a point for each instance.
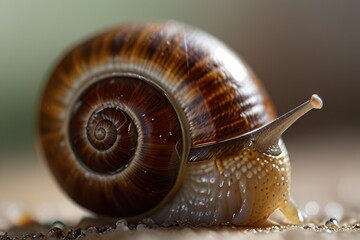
(267, 137)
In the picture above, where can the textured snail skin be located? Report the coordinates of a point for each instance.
(243, 187)
(142, 119)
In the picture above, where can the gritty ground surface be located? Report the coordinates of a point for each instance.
(149, 231)
(325, 173)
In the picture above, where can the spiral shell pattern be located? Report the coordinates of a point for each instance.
(122, 109)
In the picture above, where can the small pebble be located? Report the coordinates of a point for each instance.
(58, 224)
(132, 226)
(4, 236)
(75, 234)
(91, 230)
(122, 225)
(148, 221)
(307, 227)
(38, 236)
(55, 233)
(357, 226)
(141, 227)
(332, 224)
(102, 230)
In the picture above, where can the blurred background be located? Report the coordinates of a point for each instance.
(296, 47)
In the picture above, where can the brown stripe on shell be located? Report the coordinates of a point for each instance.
(210, 120)
(136, 183)
(180, 60)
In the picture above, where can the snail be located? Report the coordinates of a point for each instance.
(162, 120)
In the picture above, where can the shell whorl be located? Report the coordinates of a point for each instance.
(125, 142)
(195, 88)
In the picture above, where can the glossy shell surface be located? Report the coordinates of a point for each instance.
(137, 98)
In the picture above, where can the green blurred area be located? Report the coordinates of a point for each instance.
(34, 34)
(295, 47)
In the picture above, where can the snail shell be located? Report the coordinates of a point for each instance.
(158, 120)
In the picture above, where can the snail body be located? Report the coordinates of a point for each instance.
(162, 120)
